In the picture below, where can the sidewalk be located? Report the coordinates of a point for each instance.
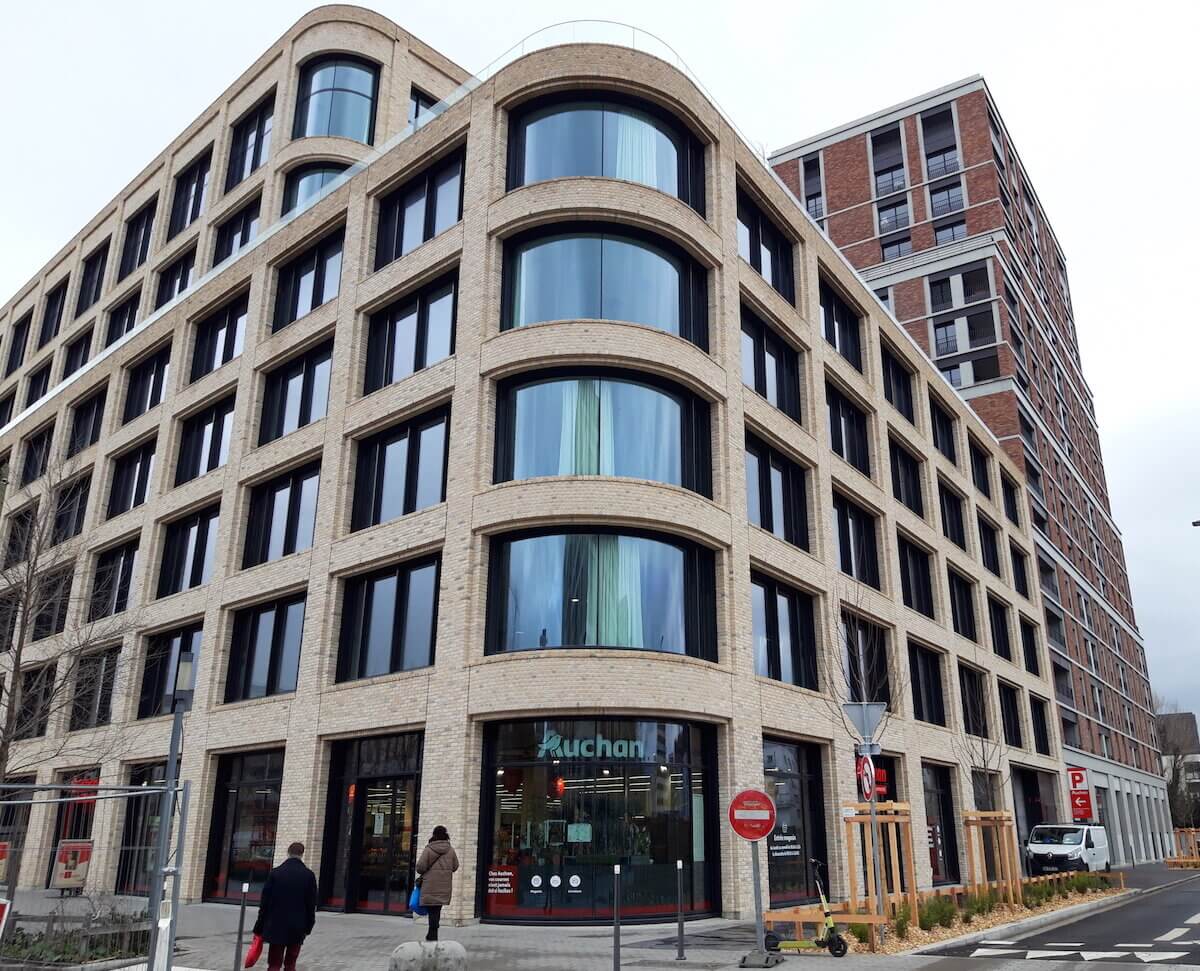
(1151, 876)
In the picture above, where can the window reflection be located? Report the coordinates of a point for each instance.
(337, 97)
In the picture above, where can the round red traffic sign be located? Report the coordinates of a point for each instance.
(752, 814)
(866, 777)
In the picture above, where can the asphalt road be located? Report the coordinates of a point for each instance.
(1159, 928)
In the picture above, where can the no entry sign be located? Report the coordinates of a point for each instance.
(752, 814)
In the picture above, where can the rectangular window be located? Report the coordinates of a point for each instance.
(18, 343)
(895, 247)
(282, 517)
(308, 281)
(204, 441)
(38, 385)
(776, 493)
(989, 545)
(814, 198)
(70, 508)
(420, 209)
(138, 229)
(413, 333)
(23, 529)
(949, 232)
(131, 478)
(857, 545)
(400, 470)
(53, 597)
(941, 837)
(953, 527)
(915, 577)
(848, 430)
(842, 325)
(981, 468)
(1011, 505)
(941, 294)
(6, 413)
(175, 278)
(937, 134)
(906, 477)
(114, 573)
(122, 318)
(91, 281)
(893, 214)
(419, 105)
(219, 337)
(1010, 715)
(37, 454)
(52, 314)
(157, 696)
(945, 338)
(389, 620)
(770, 365)
(974, 701)
(897, 383)
(865, 660)
(981, 328)
(945, 199)
(297, 393)
(189, 551)
(191, 186)
(785, 639)
(962, 605)
(1041, 725)
(1001, 637)
(96, 675)
(887, 159)
(764, 247)
(237, 231)
(942, 424)
(1029, 645)
(37, 692)
(264, 656)
(76, 354)
(925, 669)
(250, 144)
(1020, 570)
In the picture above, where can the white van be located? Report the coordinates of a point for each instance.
(1055, 847)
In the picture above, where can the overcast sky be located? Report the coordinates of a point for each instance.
(1100, 98)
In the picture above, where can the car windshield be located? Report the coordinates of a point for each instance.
(1056, 836)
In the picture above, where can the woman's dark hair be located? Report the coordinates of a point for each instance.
(439, 833)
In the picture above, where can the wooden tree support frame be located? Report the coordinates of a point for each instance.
(1005, 857)
(1187, 849)
(895, 833)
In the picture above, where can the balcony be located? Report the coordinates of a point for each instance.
(889, 180)
(941, 163)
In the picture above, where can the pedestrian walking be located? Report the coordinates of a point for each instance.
(287, 910)
(436, 877)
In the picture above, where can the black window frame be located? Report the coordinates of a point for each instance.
(767, 342)
(91, 278)
(156, 695)
(70, 508)
(255, 123)
(244, 643)
(112, 580)
(355, 606)
(916, 575)
(962, 604)
(38, 383)
(175, 279)
(370, 463)
(928, 689)
(897, 382)
(139, 228)
(174, 557)
(259, 521)
(954, 525)
(1030, 649)
(91, 699)
(202, 428)
(972, 684)
(52, 312)
(849, 431)
(37, 690)
(22, 529)
(226, 325)
(907, 479)
(857, 631)
(36, 448)
(330, 171)
(851, 518)
(123, 318)
(18, 344)
(841, 324)
(390, 235)
(304, 92)
(1012, 506)
(275, 388)
(801, 629)
(288, 275)
(52, 603)
(762, 231)
(1010, 714)
(381, 332)
(77, 352)
(794, 477)
(1020, 569)
(989, 544)
(1001, 629)
(190, 193)
(943, 429)
(132, 472)
(981, 467)
(237, 231)
(1040, 720)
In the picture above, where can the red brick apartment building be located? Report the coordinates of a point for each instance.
(930, 201)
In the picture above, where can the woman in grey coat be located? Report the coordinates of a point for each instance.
(436, 867)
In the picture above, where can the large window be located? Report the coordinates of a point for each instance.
(939, 823)
(848, 430)
(264, 657)
(603, 423)
(241, 841)
(237, 231)
(915, 576)
(953, 526)
(865, 660)
(1041, 725)
(37, 693)
(420, 209)
(122, 318)
(131, 478)
(974, 701)
(1010, 715)
(52, 600)
(962, 605)
(136, 247)
(770, 365)
(1001, 634)
(306, 182)
(776, 493)
(981, 467)
(37, 449)
(603, 275)
(191, 187)
(413, 333)
(175, 278)
(189, 551)
(139, 837)
(157, 695)
(389, 620)
(906, 477)
(925, 670)
(989, 544)
(1029, 647)
(297, 393)
(400, 470)
(607, 136)
(857, 545)
(282, 516)
(588, 589)
(52, 313)
(842, 325)
(942, 424)
(1011, 502)
(23, 529)
(37, 385)
(18, 343)
(1020, 569)
(764, 247)
(219, 337)
(793, 780)
(114, 574)
(95, 677)
(308, 281)
(250, 144)
(87, 419)
(76, 354)
(91, 281)
(204, 441)
(897, 383)
(337, 98)
(785, 639)
(70, 507)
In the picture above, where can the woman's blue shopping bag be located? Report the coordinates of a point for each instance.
(414, 902)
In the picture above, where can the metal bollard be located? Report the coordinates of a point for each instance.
(616, 917)
(679, 955)
(237, 955)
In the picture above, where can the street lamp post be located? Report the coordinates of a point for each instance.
(180, 701)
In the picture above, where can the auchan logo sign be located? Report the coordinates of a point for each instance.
(554, 746)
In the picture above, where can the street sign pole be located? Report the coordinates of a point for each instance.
(752, 816)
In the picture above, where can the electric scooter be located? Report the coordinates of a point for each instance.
(829, 937)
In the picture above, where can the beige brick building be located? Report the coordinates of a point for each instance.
(575, 367)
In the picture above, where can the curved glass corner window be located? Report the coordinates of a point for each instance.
(580, 589)
(605, 276)
(337, 97)
(603, 424)
(307, 181)
(610, 139)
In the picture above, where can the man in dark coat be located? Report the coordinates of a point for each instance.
(287, 910)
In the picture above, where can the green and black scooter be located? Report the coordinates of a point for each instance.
(829, 938)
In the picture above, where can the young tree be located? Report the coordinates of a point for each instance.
(1177, 740)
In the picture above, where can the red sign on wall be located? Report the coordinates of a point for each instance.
(1081, 794)
(752, 814)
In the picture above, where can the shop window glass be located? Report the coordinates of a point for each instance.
(241, 845)
(793, 780)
